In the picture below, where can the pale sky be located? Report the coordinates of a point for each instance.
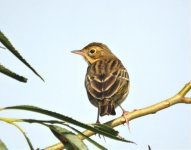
(151, 37)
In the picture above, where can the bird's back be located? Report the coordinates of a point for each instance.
(107, 84)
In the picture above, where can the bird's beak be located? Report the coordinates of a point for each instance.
(80, 52)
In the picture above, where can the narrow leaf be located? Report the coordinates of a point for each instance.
(24, 134)
(67, 119)
(106, 128)
(87, 138)
(149, 147)
(12, 74)
(65, 136)
(2, 146)
(43, 122)
(10, 121)
(4, 40)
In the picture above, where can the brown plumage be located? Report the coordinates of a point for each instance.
(107, 81)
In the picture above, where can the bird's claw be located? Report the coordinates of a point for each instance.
(126, 120)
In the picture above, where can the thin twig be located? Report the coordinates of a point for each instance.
(178, 98)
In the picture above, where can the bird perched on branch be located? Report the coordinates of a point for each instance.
(107, 80)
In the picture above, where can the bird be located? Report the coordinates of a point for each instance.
(106, 80)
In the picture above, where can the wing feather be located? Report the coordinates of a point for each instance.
(106, 82)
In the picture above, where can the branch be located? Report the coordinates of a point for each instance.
(178, 98)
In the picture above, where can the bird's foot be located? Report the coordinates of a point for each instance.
(99, 135)
(126, 120)
(124, 114)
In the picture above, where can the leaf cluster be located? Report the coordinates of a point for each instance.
(4, 40)
(64, 127)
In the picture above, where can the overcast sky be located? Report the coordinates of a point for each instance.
(151, 37)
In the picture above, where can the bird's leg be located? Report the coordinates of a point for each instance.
(98, 112)
(97, 121)
(123, 114)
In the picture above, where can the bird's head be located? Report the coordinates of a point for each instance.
(94, 52)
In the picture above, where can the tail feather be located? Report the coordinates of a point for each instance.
(107, 108)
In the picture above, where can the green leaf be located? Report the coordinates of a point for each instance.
(66, 136)
(9, 46)
(89, 139)
(43, 122)
(106, 128)
(24, 134)
(11, 121)
(12, 74)
(67, 119)
(2, 146)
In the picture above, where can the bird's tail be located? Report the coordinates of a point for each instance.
(107, 107)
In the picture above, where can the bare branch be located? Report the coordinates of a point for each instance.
(178, 98)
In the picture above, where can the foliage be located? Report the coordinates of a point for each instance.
(2, 146)
(4, 40)
(61, 128)
(12, 74)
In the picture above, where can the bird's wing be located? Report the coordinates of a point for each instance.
(105, 78)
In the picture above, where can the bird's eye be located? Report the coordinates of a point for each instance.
(92, 51)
